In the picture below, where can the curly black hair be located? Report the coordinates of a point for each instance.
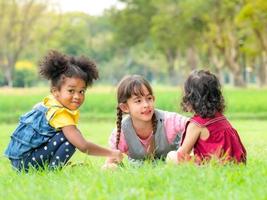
(55, 66)
(202, 94)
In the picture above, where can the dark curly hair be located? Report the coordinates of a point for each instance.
(56, 66)
(202, 94)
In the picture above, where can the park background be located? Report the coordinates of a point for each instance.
(162, 40)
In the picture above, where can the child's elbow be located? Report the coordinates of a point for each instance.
(84, 147)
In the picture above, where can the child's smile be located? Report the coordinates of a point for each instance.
(147, 112)
(141, 107)
(71, 93)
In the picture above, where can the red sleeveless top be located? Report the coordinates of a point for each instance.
(223, 141)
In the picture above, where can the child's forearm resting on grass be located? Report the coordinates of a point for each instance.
(75, 137)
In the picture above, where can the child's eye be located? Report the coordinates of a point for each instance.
(82, 91)
(137, 101)
(71, 91)
(149, 98)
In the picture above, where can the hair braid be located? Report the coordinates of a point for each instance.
(152, 148)
(154, 123)
(119, 118)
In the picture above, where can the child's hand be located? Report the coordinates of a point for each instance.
(109, 166)
(117, 156)
(183, 157)
(172, 157)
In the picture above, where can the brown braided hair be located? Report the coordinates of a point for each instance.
(128, 86)
(152, 148)
(119, 118)
(154, 123)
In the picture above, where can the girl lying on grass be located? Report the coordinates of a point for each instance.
(145, 132)
(48, 134)
(208, 133)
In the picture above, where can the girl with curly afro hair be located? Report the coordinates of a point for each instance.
(48, 134)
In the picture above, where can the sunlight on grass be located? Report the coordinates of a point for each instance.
(86, 180)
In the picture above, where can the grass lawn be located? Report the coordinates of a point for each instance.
(100, 102)
(160, 181)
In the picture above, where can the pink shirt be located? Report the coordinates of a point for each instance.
(173, 124)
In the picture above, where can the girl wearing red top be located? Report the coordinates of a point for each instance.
(208, 133)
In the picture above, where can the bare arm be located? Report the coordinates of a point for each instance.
(75, 137)
(192, 134)
(183, 153)
(123, 147)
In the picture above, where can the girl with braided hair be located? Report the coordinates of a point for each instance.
(145, 132)
(48, 134)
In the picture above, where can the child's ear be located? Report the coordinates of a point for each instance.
(54, 91)
(124, 107)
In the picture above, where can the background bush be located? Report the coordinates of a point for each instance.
(100, 102)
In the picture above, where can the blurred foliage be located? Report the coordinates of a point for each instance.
(25, 74)
(161, 39)
(100, 102)
(24, 78)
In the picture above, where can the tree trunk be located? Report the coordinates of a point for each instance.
(8, 75)
(191, 58)
(238, 79)
(263, 58)
(218, 63)
(263, 70)
(236, 69)
(20, 18)
(170, 57)
(232, 58)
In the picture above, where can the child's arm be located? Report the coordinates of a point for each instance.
(183, 153)
(75, 137)
(192, 134)
(111, 163)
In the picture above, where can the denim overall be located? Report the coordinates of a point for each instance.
(35, 143)
(137, 150)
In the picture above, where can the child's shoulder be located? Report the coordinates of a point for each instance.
(194, 126)
(165, 113)
(50, 101)
(168, 115)
(200, 121)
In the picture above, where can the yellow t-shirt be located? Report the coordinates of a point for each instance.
(59, 116)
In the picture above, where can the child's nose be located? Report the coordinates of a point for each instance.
(146, 103)
(77, 96)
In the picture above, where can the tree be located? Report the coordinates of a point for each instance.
(176, 29)
(253, 18)
(18, 20)
(225, 36)
(173, 27)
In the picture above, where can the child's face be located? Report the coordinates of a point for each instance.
(140, 107)
(71, 93)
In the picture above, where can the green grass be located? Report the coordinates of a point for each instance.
(100, 102)
(246, 108)
(148, 182)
